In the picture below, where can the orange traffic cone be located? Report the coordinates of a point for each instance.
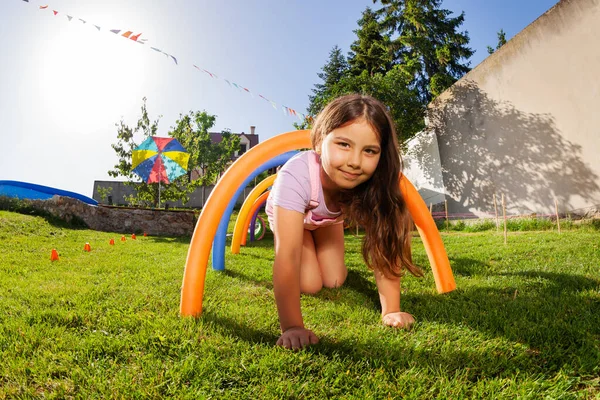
(87, 247)
(54, 255)
(133, 236)
(123, 238)
(145, 234)
(112, 242)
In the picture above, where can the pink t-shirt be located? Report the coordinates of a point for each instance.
(292, 191)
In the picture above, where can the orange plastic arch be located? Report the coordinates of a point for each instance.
(197, 259)
(432, 241)
(257, 204)
(196, 263)
(239, 236)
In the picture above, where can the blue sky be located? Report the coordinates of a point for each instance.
(64, 85)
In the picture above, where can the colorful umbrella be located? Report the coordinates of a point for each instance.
(159, 160)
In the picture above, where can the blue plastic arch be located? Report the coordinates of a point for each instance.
(218, 247)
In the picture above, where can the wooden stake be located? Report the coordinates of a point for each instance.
(504, 214)
(496, 210)
(556, 210)
(446, 207)
(430, 208)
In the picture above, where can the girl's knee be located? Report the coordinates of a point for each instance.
(335, 280)
(311, 287)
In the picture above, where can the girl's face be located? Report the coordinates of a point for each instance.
(349, 155)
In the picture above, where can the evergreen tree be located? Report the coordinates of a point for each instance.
(501, 41)
(371, 51)
(427, 39)
(335, 69)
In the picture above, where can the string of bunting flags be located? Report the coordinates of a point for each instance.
(136, 38)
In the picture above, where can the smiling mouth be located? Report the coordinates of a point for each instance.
(350, 176)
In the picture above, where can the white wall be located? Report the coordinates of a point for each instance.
(526, 121)
(423, 168)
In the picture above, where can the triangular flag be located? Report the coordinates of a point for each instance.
(283, 108)
(26, 1)
(97, 27)
(115, 31)
(195, 66)
(135, 37)
(43, 7)
(126, 34)
(155, 49)
(174, 59)
(55, 12)
(69, 17)
(82, 20)
(229, 83)
(274, 105)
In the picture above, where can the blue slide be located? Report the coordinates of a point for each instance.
(31, 191)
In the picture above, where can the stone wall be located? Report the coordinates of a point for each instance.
(120, 219)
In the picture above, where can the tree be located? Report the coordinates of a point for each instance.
(192, 132)
(501, 41)
(371, 51)
(428, 38)
(393, 90)
(305, 124)
(335, 69)
(208, 158)
(126, 143)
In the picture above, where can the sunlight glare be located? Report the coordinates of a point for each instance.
(85, 72)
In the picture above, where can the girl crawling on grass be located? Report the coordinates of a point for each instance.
(351, 172)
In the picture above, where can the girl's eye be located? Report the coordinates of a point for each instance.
(371, 151)
(342, 144)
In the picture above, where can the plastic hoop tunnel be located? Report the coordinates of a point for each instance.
(262, 199)
(238, 232)
(219, 240)
(237, 176)
(194, 275)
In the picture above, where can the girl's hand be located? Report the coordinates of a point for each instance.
(398, 320)
(297, 338)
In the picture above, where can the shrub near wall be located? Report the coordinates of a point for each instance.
(107, 219)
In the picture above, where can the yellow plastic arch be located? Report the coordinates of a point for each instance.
(257, 204)
(238, 232)
(197, 259)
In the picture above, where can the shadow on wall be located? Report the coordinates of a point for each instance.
(489, 147)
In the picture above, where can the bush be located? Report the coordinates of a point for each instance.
(24, 206)
(515, 224)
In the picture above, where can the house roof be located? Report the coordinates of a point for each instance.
(216, 137)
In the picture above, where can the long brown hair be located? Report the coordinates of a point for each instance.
(376, 204)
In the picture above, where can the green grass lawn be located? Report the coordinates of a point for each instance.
(523, 323)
